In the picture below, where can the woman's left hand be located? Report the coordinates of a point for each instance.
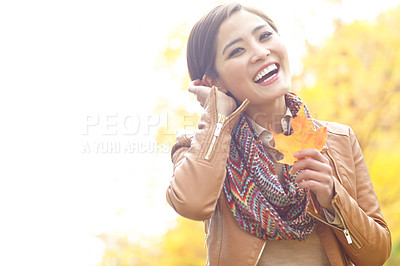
(315, 174)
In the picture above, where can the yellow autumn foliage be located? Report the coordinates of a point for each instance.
(303, 137)
(181, 245)
(354, 78)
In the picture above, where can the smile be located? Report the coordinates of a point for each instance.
(267, 74)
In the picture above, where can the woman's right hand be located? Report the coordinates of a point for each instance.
(225, 104)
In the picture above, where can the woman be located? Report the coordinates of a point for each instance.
(321, 211)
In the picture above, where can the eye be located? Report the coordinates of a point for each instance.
(265, 35)
(236, 51)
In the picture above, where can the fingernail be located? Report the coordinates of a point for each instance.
(296, 154)
(291, 170)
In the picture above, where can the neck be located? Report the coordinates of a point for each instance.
(269, 115)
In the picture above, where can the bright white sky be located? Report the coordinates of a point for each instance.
(76, 74)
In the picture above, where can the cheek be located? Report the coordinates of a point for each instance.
(234, 71)
(233, 76)
(234, 84)
(284, 53)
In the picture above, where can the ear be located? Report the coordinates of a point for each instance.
(214, 82)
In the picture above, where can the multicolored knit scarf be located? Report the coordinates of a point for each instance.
(259, 203)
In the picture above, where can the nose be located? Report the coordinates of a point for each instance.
(260, 53)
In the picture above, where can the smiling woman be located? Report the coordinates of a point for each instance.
(322, 210)
(247, 47)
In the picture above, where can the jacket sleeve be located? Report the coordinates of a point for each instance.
(200, 163)
(368, 232)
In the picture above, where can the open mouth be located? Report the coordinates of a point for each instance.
(267, 73)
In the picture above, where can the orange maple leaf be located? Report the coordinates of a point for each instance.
(303, 137)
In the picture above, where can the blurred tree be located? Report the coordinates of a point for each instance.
(354, 78)
(181, 245)
(179, 115)
(184, 244)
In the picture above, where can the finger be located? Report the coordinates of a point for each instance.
(313, 153)
(316, 187)
(196, 82)
(323, 192)
(193, 86)
(192, 89)
(307, 174)
(198, 91)
(309, 184)
(312, 164)
(202, 90)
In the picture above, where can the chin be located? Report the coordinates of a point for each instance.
(283, 89)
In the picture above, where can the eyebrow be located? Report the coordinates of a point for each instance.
(239, 39)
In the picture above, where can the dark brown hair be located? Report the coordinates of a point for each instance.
(201, 48)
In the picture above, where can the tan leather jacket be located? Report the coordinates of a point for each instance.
(195, 192)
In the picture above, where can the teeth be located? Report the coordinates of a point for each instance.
(265, 71)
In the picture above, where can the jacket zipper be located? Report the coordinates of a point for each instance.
(207, 234)
(346, 232)
(220, 123)
(261, 252)
(349, 238)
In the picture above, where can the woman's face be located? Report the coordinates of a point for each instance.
(251, 59)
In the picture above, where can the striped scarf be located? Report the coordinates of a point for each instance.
(260, 204)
